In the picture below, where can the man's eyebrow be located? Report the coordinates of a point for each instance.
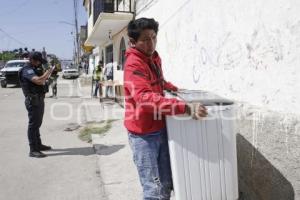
(149, 36)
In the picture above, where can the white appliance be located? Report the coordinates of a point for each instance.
(203, 152)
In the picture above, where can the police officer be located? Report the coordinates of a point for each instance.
(33, 80)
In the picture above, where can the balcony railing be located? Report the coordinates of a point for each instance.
(110, 6)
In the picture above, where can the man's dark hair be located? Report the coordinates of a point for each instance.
(135, 27)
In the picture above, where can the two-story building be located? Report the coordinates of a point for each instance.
(106, 32)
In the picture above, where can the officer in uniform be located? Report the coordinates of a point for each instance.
(33, 82)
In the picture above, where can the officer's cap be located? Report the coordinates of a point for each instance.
(37, 56)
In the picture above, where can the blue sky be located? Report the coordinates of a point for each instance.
(36, 23)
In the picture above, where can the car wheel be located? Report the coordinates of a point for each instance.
(3, 84)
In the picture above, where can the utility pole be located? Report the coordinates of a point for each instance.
(77, 56)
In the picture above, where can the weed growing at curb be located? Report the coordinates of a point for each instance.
(90, 128)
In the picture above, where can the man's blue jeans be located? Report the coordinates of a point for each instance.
(152, 159)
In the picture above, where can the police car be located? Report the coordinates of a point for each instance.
(9, 73)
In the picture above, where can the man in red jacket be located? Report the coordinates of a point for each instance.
(145, 108)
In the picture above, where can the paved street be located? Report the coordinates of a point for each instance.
(70, 170)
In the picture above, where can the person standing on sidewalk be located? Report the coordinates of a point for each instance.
(86, 68)
(32, 80)
(109, 75)
(146, 107)
(53, 78)
(97, 76)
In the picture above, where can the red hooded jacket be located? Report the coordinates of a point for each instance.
(145, 104)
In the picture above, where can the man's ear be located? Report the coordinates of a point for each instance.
(132, 42)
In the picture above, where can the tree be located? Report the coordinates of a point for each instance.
(7, 55)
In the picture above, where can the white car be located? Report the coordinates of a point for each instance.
(70, 73)
(9, 73)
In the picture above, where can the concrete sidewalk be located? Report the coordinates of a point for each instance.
(118, 174)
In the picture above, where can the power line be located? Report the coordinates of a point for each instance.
(11, 37)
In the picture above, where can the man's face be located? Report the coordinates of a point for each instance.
(35, 63)
(146, 43)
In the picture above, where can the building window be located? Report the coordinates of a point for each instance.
(122, 55)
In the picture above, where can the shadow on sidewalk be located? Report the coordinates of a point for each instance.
(107, 150)
(84, 151)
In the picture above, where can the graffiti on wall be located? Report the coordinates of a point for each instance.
(227, 54)
(265, 48)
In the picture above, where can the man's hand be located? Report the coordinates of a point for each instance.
(40, 80)
(48, 73)
(196, 110)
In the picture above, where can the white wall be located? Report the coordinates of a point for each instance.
(118, 74)
(91, 64)
(94, 59)
(245, 50)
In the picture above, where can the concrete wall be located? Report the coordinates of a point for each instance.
(118, 74)
(268, 154)
(247, 51)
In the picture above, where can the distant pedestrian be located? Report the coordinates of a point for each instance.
(32, 80)
(44, 53)
(53, 78)
(80, 67)
(26, 50)
(25, 55)
(97, 77)
(109, 75)
(86, 68)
